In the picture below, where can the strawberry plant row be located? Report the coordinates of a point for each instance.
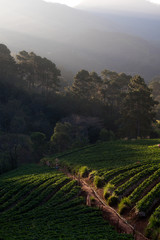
(145, 205)
(129, 185)
(127, 174)
(62, 216)
(138, 192)
(26, 192)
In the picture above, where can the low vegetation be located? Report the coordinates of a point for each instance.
(42, 203)
(130, 171)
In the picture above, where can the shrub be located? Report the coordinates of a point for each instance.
(113, 200)
(92, 175)
(124, 205)
(84, 172)
(108, 190)
(153, 233)
(98, 182)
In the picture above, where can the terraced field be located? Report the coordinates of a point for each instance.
(137, 189)
(39, 203)
(134, 184)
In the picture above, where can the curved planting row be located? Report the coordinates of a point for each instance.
(129, 185)
(47, 207)
(153, 228)
(125, 182)
(30, 197)
(127, 174)
(148, 182)
(113, 173)
(23, 186)
(145, 205)
(139, 189)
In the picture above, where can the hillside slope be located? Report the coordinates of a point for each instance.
(129, 171)
(112, 154)
(41, 203)
(91, 41)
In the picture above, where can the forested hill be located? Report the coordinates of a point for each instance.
(91, 41)
(39, 116)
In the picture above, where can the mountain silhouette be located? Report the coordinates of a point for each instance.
(77, 39)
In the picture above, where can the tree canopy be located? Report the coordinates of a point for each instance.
(107, 105)
(39, 73)
(137, 109)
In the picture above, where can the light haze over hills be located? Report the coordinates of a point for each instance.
(89, 38)
(135, 6)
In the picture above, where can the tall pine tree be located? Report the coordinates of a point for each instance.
(137, 109)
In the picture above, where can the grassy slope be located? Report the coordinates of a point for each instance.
(39, 203)
(113, 154)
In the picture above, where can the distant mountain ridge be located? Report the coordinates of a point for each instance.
(130, 6)
(77, 39)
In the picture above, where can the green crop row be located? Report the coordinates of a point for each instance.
(137, 193)
(107, 175)
(54, 210)
(129, 173)
(111, 186)
(129, 185)
(13, 189)
(153, 227)
(29, 193)
(144, 206)
(114, 154)
(30, 182)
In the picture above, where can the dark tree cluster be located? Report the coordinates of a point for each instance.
(95, 107)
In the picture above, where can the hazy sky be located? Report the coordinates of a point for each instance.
(73, 3)
(155, 1)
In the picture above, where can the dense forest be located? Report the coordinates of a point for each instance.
(39, 114)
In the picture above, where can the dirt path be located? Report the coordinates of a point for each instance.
(94, 198)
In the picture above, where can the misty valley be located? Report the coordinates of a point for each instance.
(79, 120)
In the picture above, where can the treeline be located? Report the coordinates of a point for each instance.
(37, 117)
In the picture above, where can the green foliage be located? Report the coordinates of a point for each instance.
(113, 154)
(38, 138)
(108, 190)
(7, 64)
(130, 185)
(41, 203)
(106, 135)
(146, 204)
(98, 182)
(96, 96)
(15, 149)
(113, 200)
(137, 109)
(131, 172)
(5, 162)
(154, 85)
(62, 136)
(84, 172)
(39, 144)
(93, 174)
(124, 205)
(38, 73)
(138, 192)
(153, 228)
